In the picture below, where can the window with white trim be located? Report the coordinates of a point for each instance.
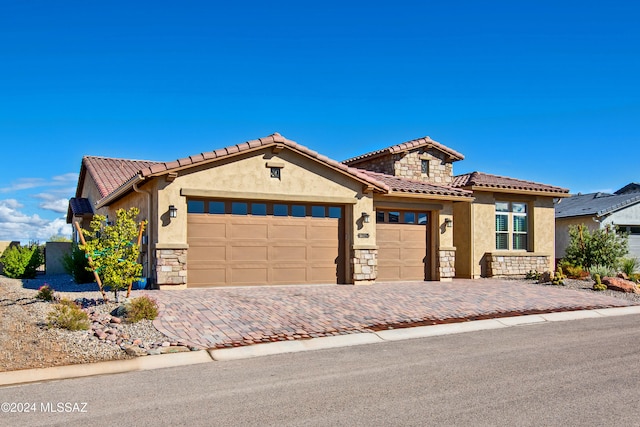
(512, 226)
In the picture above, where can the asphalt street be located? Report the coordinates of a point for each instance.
(575, 373)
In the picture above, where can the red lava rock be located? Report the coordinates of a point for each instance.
(621, 285)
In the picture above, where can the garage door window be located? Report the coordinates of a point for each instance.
(219, 207)
(405, 217)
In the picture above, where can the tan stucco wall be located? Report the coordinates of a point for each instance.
(462, 239)
(482, 228)
(543, 225)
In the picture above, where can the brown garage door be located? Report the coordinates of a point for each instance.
(402, 245)
(256, 243)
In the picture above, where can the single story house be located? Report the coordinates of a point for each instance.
(272, 212)
(598, 210)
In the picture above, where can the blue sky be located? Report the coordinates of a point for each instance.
(547, 91)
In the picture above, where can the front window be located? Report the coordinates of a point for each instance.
(512, 226)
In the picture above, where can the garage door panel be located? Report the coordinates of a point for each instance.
(207, 254)
(243, 230)
(288, 274)
(249, 275)
(206, 277)
(288, 253)
(288, 229)
(249, 253)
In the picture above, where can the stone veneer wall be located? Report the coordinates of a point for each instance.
(500, 265)
(409, 165)
(447, 263)
(171, 266)
(365, 264)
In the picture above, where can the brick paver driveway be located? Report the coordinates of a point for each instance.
(226, 317)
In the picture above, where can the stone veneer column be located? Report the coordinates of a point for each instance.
(447, 263)
(171, 268)
(364, 263)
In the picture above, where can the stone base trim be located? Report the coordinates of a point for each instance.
(446, 263)
(516, 265)
(171, 267)
(364, 263)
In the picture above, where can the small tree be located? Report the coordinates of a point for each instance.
(604, 247)
(113, 251)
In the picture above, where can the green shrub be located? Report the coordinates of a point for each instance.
(598, 285)
(532, 275)
(629, 266)
(558, 277)
(45, 292)
(75, 263)
(141, 308)
(601, 271)
(635, 277)
(22, 262)
(68, 315)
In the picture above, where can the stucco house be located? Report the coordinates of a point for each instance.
(272, 212)
(598, 210)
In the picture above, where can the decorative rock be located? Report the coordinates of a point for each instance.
(165, 344)
(623, 276)
(135, 351)
(545, 277)
(154, 352)
(115, 319)
(621, 285)
(176, 349)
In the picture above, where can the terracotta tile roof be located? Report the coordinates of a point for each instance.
(109, 174)
(409, 145)
(480, 179)
(406, 185)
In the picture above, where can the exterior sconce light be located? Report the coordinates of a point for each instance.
(448, 222)
(173, 211)
(365, 217)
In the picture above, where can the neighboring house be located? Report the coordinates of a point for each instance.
(598, 210)
(271, 211)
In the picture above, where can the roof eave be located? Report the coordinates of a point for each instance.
(518, 191)
(120, 191)
(444, 197)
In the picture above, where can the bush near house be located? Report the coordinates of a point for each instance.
(629, 266)
(604, 247)
(75, 263)
(141, 308)
(22, 262)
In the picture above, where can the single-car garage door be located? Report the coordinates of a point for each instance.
(243, 243)
(402, 245)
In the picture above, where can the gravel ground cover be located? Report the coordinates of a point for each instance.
(27, 341)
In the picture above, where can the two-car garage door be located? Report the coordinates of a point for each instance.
(241, 243)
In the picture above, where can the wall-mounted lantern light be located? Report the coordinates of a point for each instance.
(365, 217)
(448, 222)
(173, 211)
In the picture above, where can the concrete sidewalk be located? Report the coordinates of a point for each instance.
(218, 318)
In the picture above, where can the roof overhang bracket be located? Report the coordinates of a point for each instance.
(277, 148)
(170, 177)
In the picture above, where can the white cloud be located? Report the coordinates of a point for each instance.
(15, 225)
(58, 206)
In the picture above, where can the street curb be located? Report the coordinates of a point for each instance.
(103, 368)
(279, 347)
